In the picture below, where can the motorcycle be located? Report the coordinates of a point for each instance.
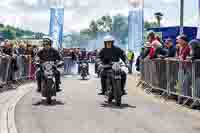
(113, 82)
(93, 58)
(84, 70)
(48, 86)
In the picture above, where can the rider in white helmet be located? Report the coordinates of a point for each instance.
(111, 53)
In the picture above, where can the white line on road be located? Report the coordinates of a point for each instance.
(7, 123)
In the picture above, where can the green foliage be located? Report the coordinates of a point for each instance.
(117, 24)
(148, 25)
(10, 32)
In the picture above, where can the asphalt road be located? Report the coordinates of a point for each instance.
(78, 109)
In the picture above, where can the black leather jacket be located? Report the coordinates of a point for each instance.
(49, 55)
(114, 54)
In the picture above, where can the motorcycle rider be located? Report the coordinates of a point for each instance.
(83, 58)
(111, 53)
(48, 54)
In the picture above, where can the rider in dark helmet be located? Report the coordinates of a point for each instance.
(48, 54)
(111, 53)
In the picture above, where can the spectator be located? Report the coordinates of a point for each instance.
(185, 66)
(8, 50)
(185, 49)
(147, 48)
(155, 50)
(171, 50)
(155, 45)
(138, 59)
(131, 59)
(195, 53)
(195, 49)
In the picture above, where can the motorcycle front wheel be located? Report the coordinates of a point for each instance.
(50, 90)
(118, 92)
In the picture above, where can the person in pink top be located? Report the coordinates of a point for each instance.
(155, 43)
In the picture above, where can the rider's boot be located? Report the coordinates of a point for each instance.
(58, 88)
(39, 86)
(123, 87)
(103, 85)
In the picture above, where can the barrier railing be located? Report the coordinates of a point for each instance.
(173, 77)
(16, 68)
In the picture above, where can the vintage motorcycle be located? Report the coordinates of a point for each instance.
(84, 70)
(48, 86)
(113, 81)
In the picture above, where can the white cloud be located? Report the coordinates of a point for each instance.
(31, 2)
(34, 14)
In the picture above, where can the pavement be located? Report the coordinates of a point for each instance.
(78, 109)
(8, 101)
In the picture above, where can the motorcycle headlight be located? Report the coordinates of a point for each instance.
(116, 67)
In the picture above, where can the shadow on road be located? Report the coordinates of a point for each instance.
(43, 102)
(112, 105)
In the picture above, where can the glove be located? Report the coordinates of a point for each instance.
(100, 66)
(127, 65)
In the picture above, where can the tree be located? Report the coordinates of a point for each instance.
(8, 34)
(104, 24)
(158, 16)
(1, 25)
(148, 25)
(93, 28)
(120, 26)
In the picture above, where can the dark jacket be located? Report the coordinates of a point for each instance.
(146, 53)
(195, 44)
(8, 51)
(49, 55)
(114, 54)
(20, 51)
(171, 52)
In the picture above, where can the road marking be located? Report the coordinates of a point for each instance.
(7, 123)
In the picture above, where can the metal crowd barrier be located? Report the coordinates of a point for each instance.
(172, 76)
(25, 69)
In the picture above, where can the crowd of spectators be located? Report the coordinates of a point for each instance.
(182, 50)
(73, 56)
(21, 56)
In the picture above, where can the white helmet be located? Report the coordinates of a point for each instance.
(108, 38)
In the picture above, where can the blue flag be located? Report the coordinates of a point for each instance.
(56, 26)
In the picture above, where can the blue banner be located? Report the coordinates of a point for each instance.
(136, 30)
(56, 26)
(136, 26)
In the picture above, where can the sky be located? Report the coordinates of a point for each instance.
(35, 15)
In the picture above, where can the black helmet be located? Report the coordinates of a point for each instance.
(47, 41)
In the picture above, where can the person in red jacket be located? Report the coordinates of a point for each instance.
(185, 49)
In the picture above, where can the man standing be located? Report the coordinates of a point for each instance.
(171, 50)
(131, 59)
